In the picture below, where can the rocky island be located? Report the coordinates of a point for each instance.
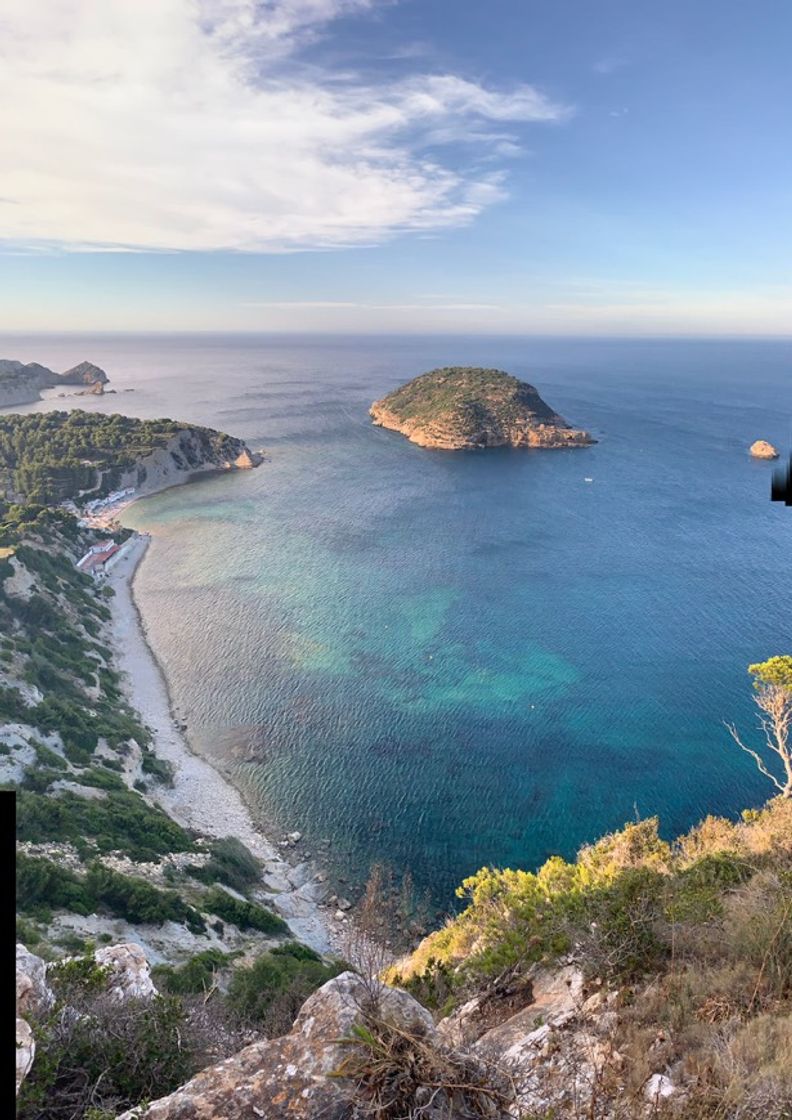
(462, 408)
(761, 449)
(22, 384)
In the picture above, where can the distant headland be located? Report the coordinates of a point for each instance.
(22, 384)
(464, 408)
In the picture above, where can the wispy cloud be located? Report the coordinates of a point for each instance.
(582, 306)
(321, 304)
(194, 125)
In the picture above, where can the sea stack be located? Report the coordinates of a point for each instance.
(761, 449)
(462, 408)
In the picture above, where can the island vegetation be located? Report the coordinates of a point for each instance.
(464, 408)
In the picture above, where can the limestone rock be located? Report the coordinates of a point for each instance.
(287, 1078)
(761, 449)
(25, 1051)
(33, 994)
(245, 461)
(33, 997)
(557, 997)
(554, 1061)
(130, 975)
(659, 1088)
(463, 1026)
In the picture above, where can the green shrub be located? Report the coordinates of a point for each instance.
(42, 886)
(159, 768)
(272, 990)
(230, 863)
(195, 975)
(27, 933)
(108, 1057)
(244, 915)
(120, 821)
(139, 901)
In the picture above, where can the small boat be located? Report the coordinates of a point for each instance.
(588, 479)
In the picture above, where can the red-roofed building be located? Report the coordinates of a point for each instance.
(95, 562)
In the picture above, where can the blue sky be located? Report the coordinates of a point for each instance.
(565, 166)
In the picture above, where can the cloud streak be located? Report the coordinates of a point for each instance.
(198, 125)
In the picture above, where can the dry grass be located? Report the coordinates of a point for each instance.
(403, 1075)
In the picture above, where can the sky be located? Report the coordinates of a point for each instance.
(590, 167)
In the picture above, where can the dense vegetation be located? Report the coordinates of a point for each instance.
(272, 990)
(18, 521)
(43, 886)
(462, 389)
(51, 641)
(49, 456)
(243, 914)
(94, 1061)
(231, 863)
(267, 993)
(118, 821)
(630, 901)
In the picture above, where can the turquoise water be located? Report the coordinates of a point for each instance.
(446, 660)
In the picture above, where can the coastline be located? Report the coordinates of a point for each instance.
(201, 798)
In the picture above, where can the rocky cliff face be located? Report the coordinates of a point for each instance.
(85, 373)
(191, 451)
(22, 384)
(461, 408)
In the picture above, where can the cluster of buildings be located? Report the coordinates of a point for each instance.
(97, 504)
(100, 558)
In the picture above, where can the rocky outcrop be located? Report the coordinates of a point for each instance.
(85, 373)
(761, 449)
(465, 408)
(554, 1057)
(33, 994)
(33, 998)
(25, 1051)
(129, 975)
(22, 383)
(290, 1078)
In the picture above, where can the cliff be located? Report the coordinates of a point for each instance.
(85, 373)
(464, 408)
(22, 384)
(189, 452)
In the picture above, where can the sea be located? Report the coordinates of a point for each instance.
(445, 660)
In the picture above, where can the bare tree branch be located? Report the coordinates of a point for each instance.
(755, 756)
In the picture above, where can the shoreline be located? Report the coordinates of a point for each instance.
(201, 797)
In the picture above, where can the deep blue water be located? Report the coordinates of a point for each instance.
(447, 659)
